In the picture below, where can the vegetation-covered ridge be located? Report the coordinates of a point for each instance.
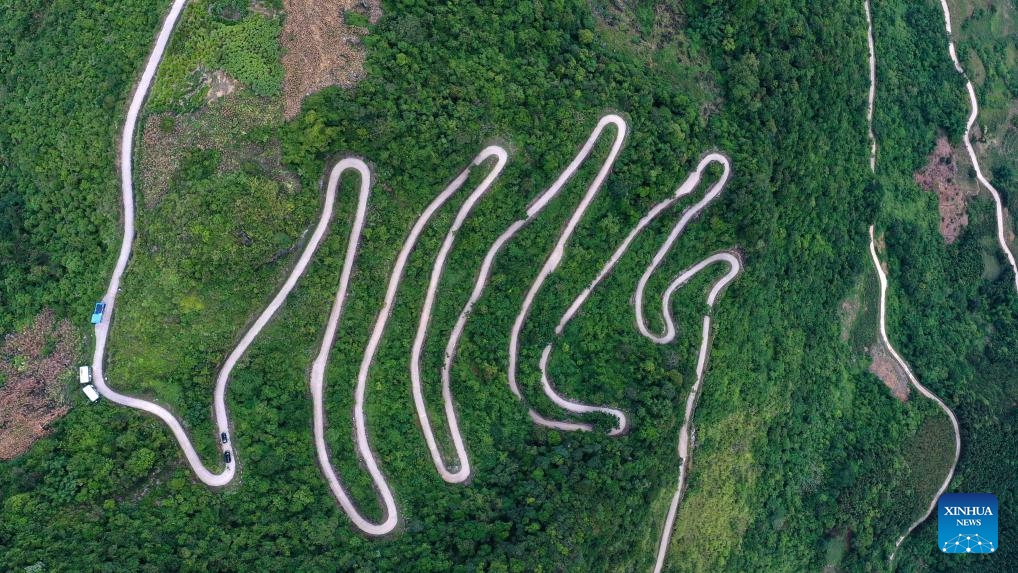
(884, 343)
(1002, 223)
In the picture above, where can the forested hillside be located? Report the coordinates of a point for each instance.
(953, 307)
(804, 460)
(67, 69)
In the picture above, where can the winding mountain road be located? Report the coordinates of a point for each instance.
(318, 367)
(553, 260)
(102, 329)
(459, 470)
(973, 116)
(883, 290)
(922, 390)
(227, 474)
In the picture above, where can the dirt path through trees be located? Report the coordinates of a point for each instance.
(882, 276)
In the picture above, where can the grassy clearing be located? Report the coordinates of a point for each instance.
(218, 35)
(863, 329)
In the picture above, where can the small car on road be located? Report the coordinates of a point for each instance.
(97, 314)
(227, 457)
(223, 437)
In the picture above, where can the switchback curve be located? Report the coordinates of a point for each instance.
(319, 366)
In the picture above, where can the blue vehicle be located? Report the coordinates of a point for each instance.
(97, 314)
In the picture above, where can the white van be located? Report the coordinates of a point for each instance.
(89, 391)
(85, 374)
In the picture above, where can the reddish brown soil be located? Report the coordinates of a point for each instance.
(889, 371)
(320, 49)
(940, 175)
(32, 362)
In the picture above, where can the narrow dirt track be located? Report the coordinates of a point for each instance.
(102, 329)
(318, 367)
(461, 470)
(685, 440)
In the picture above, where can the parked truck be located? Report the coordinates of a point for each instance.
(85, 375)
(90, 391)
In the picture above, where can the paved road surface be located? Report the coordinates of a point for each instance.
(102, 329)
(461, 470)
(915, 382)
(973, 116)
(318, 369)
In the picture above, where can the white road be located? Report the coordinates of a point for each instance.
(973, 116)
(227, 474)
(102, 329)
(461, 468)
(922, 390)
(883, 278)
(873, 84)
(460, 471)
(318, 369)
(553, 260)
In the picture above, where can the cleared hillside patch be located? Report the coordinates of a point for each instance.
(322, 46)
(35, 368)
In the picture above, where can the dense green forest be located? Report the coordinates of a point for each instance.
(58, 196)
(803, 459)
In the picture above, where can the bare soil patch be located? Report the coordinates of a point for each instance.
(159, 156)
(886, 368)
(320, 49)
(220, 85)
(35, 364)
(940, 175)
